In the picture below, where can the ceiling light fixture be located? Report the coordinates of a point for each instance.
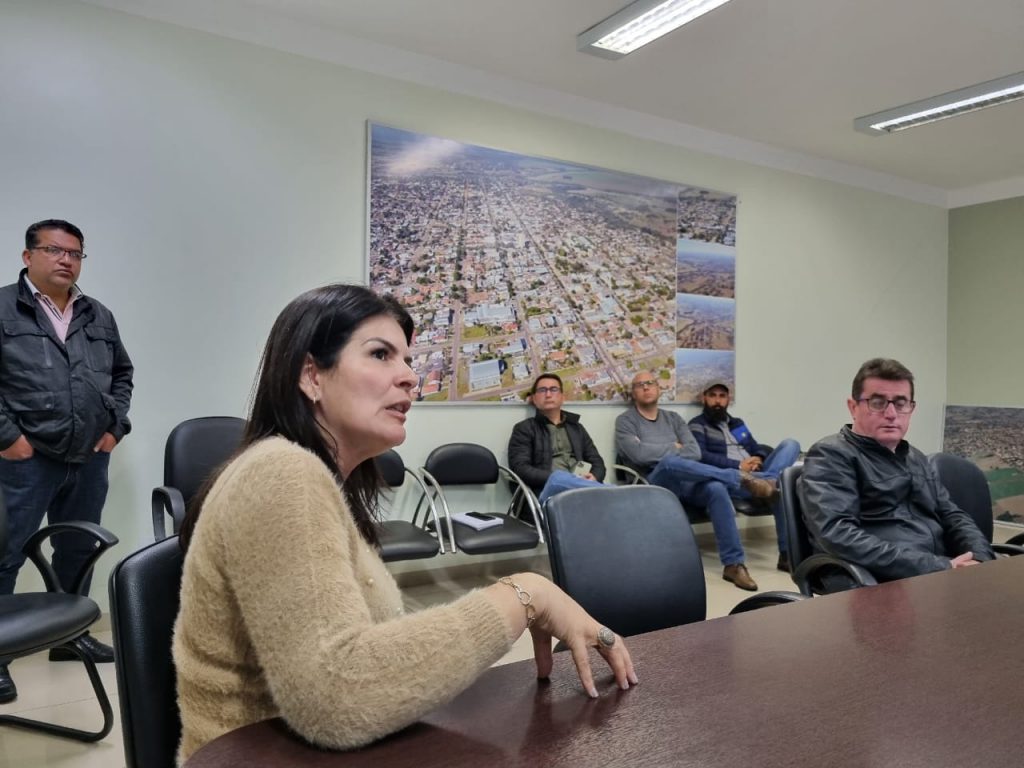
(970, 99)
(639, 23)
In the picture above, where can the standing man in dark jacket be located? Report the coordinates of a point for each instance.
(65, 388)
(872, 499)
(546, 449)
(726, 442)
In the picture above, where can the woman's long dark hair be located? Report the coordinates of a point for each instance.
(319, 323)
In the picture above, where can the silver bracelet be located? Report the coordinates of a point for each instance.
(525, 599)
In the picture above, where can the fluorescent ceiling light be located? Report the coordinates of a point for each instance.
(639, 23)
(970, 99)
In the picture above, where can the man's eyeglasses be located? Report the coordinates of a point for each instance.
(55, 253)
(878, 404)
(645, 384)
(547, 390)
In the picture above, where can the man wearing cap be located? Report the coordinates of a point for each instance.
(726, 442)
(658, 444)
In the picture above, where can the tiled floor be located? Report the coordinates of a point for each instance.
(61, 692)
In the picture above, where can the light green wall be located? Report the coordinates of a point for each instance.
(215, 180)
(986, 308)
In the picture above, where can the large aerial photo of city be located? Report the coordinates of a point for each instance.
(990, 437)
(514, 265)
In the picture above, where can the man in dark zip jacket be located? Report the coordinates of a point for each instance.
(545, 450)
(65, 388)
(871, 498)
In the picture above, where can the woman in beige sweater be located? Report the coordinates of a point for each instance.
(286, 607)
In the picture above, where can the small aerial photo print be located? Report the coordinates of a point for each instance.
(991, 438)
(514, 265)
(705, 291)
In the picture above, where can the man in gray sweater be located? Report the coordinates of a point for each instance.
(659, 444)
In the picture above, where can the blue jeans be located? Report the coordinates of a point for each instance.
(785, 455)
(40, 486)
(709, 487)
(560, 480)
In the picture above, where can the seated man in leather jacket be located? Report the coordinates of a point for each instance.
(871, 498)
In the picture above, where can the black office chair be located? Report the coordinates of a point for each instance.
(402, 539)
(468, 464)
(144, 599)
(628, 556)
(194, 449)
(808, 569)
(968, 489)
(31, 622)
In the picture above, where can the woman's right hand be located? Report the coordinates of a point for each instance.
(561, 617)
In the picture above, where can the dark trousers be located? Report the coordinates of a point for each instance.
(41, 486)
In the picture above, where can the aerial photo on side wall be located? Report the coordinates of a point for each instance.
(990, 437)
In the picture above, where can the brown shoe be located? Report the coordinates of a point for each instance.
(739, 576)
(758, 487)
(783, 564)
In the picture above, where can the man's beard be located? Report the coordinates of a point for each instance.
(716, 412)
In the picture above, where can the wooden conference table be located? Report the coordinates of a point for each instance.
(921, 672)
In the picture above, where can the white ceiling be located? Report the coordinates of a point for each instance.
(772, 81)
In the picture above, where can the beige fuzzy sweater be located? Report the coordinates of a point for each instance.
(286, 611)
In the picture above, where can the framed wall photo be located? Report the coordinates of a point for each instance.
(514, 265)
(991, 438)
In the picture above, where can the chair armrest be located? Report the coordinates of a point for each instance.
(1017, 540)
(810, 567)
(766, 599)
(531, 500)
(428, 481)
(167, 500)
(1008, 549)
(635, 478)
(431, 507)
(34, 550)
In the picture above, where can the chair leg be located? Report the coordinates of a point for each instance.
(73, 733)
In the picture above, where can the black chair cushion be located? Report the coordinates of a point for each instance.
(511, 535)
(35, 621)
(401, 540)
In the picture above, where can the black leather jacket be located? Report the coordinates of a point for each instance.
(61, 396)
(530, 453)
(884, 510)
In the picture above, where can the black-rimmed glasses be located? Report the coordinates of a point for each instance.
(878, 404)
(55, 252)
(547, 390)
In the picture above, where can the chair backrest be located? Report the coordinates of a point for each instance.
(197, 447)
(797, 537)
(462, 464)
(391, 468)
(144, 601)
(967, 488)
(627, 554)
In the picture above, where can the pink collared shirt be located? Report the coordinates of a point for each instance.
(60, 320)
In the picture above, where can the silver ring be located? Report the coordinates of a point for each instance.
(606, 637)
